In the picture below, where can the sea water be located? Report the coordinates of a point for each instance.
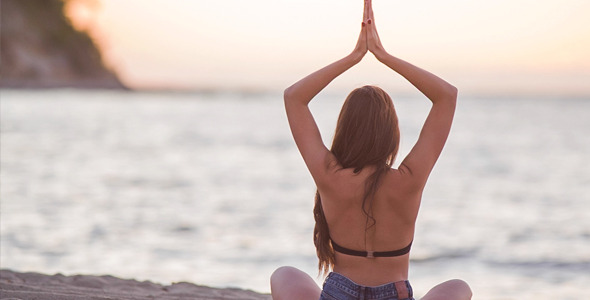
(210, 188)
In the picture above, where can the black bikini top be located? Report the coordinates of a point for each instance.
(371, 254)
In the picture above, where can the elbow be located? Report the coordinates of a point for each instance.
(446, 94)
(288, 94)
(451, 94)
(292, 96)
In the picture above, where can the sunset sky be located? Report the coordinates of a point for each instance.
(497, 47)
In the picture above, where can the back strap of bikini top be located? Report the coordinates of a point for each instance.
(371, 254)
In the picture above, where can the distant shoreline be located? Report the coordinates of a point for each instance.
(90, 84)
(25, 286)
(274, 92)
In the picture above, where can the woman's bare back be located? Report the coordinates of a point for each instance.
(394, 210)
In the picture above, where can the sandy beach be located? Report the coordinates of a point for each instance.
(29, 286)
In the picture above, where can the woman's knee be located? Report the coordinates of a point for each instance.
(283, 273)
(454, 289)
(285, 277)
(280, 274)
(462, 286)
(292, 283)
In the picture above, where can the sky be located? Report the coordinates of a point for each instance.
(486, 47)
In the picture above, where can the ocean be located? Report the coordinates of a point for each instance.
(210, 188)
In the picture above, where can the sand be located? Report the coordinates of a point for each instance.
(29, 286)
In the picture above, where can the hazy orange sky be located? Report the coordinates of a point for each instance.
(498, 47)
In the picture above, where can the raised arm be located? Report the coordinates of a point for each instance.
(297, 97)
(421, 159)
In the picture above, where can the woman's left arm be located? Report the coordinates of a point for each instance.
(305, 131)
(297, 97)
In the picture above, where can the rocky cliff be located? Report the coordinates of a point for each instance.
(41, 49)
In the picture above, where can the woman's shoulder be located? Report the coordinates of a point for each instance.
(397, 182)
(344, 181)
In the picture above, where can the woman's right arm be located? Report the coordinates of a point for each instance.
(421, 159)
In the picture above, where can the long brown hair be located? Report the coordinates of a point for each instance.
(367, 134)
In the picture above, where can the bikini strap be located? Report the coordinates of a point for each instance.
(371, 254)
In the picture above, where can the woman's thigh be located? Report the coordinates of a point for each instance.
(288, 283)
(455, 289)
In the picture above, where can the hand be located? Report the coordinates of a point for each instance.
(361, 47)
(373, 41)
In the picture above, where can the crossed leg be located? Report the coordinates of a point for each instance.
(288, 283)
(454, 289)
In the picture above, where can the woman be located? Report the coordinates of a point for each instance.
(365, 210)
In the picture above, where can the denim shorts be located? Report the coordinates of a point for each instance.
(339, 287)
